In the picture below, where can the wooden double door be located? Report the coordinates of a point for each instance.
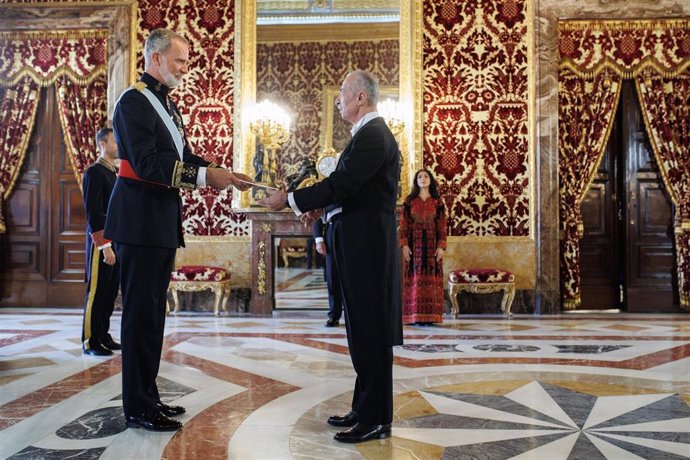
(42, 254)
(627, 253)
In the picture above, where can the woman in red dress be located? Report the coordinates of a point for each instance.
(423, 231)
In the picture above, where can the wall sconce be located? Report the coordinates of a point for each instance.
(271, 125)
(392, 113)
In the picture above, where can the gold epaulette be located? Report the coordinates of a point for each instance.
(139, 86)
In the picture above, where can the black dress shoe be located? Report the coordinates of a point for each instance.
(112, 345)
(97, 351)
(349, 419)
(153, 421)
(361, 433)
(332, 323)
(170, 411)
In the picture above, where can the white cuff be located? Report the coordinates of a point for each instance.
(106, 245)
(201, 177)
(318, 239)
(293, 205)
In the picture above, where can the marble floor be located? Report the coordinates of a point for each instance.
(589, 387)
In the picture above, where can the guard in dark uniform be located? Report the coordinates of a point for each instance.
(322, 230)
(145, 218)
(102, 269)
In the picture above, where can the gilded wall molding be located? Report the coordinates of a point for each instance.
(261, 267)
(245, 92)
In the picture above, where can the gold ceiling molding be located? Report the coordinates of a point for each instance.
(337, 4)
(327, 32)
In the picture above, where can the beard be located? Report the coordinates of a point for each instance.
(170, 80)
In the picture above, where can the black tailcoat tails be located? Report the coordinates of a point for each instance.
(365, 183)
(145, 221)
(102, 280)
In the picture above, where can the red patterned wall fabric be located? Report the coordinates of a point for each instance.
(205, 100)
(476, 98)
(293, 75)
(626, 47)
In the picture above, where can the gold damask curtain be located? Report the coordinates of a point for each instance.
(83, 111)
(17, 115)
(589, 106)
(666, 110)
(75, 62)
(592, 53)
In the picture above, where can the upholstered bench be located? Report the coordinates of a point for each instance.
(482, 281)
(189, 278)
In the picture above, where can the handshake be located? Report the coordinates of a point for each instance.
(221, 178)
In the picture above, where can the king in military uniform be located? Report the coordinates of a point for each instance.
(145, 218)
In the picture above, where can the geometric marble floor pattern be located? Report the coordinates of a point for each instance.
(608, 386)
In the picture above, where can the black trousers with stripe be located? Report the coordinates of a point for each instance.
(102, 285)
(145, 272)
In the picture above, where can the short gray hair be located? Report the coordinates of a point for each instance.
(159, 41)
(367, 82)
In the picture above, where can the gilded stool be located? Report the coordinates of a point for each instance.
(190, 278)
(482, 281)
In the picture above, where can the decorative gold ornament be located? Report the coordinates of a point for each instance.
(270, 123)
(261, 265)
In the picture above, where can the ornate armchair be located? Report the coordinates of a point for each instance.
(482, 281)
(191, 278)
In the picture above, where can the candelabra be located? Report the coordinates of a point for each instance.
(392, 112)
(271, 124)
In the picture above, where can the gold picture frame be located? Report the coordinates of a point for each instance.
(409, 91)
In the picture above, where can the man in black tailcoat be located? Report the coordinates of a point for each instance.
(102, 269)
(365, 184)
(145, 218)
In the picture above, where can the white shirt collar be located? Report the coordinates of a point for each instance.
(364, 120)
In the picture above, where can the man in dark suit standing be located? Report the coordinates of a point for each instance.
(322, 231)
(365, 184)
(102, 273)
(145, 218)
